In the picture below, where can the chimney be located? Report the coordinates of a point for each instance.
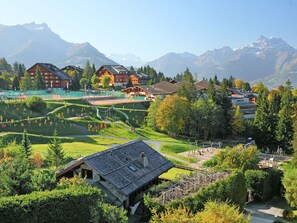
(143, 160)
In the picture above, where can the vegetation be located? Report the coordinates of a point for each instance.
(59, 206)
(290, 184)
(237, 157)
(213, 212)
(36, 104)
(55, 153)
(173, 114)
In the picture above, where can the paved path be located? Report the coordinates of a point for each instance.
(264, 212)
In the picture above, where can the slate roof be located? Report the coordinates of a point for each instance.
(139, 75)
(166, 87)
(203, 85)
(116, 69)
(53, 69)
(72, 67)
(121, 167)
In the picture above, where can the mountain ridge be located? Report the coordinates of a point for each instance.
(30, 43)
(268, 59)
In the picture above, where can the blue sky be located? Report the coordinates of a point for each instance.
(152, 28)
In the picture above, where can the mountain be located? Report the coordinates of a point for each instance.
(127, 59)
(31, 43)
(271, 60)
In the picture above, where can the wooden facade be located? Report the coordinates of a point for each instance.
(52, 76)
(119, 75)
(134, 79)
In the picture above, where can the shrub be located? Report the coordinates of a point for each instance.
(211, 162)
(36, 104)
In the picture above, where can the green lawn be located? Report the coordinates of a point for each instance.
(80, 146)
(74, 149)
(117, 130)
(173, 173)
(151, 134)
(175, 149)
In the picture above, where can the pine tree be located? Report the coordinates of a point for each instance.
(25, 83)
(38, 82)
(263, 133)
(223, 99)
(188, 89)
(238, 122)
(284, 130)
(26, 143)
(88, 71)
(15, 83)
(129, 83)
(93, 69)
(211, 92)
(55, 154)
(294, 142)
(75, 82)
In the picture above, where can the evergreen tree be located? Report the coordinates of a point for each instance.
(75, 82)
(223, 99)
(4, 66)
(55, 154)
(238, 122)
(15, 83)
(188, 88)
(263, 133)
(294, 142)
(284, 130)
(38, 82)
(129, 83)
(26, 143)
(88, 71)
(93, 69)
(25, 83)
(211, 92)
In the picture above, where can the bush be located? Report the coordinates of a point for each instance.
(36, 104)
(211, 162)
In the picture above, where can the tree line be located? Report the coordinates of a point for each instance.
(209, 114)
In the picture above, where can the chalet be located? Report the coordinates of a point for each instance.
(72, 68)
(52, 76)
(119, 75)
(152, 91)
(138, 78)
(122, 172)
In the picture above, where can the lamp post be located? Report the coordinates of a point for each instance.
(52, 86)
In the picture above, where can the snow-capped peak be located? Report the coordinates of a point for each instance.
(271, 43)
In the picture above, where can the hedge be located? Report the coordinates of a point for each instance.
(231, 189)
(263, 184)
(60, 206)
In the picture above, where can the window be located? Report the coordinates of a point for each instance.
(86, 173)
(132, 167)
